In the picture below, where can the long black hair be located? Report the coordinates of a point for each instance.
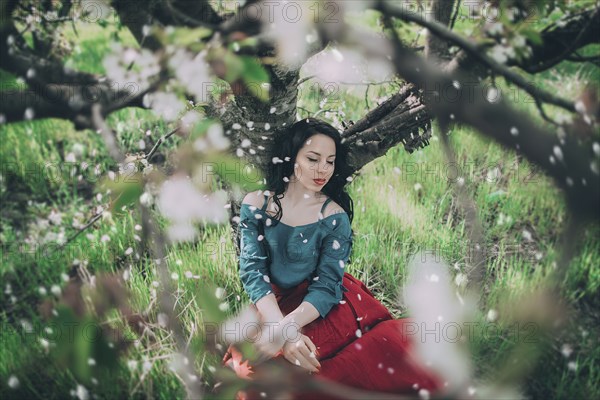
(286, 147)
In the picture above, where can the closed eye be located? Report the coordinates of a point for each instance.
(311, 160)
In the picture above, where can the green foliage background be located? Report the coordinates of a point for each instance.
(399, 209)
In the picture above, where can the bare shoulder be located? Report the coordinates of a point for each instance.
(333, 208)
(255, 198)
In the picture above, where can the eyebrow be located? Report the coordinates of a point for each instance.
(310, 151)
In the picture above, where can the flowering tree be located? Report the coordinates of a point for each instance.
(187, 49)
(227, 75)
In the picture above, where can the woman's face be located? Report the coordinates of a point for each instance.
(315, 162)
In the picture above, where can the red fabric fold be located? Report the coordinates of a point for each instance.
(359, 343)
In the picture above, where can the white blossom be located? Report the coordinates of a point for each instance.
(180, 200)
(493, 95)
(424, 394)
(566, 350)
(288, 24)
(78, 150)
(429, 299)
(193, 73)
(181, 232)
(460, 279)
(493, 175)
(494, 28)
(189, 119)
(572, 365)
(29, 113)
(82, 393)
(165, 105)
(55, 289)
(345, 64)
(498, 53)
(558, 153)
(145, 66)
(217, 138)
(55, 218)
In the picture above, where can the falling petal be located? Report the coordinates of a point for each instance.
(13, 382)
(566, 350)
(558, 153)
(493, 95)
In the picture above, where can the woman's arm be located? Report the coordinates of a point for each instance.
(276, 334)
(254, 258)
(265, 302)
(269, 309)
(326, 289)
(303, 315)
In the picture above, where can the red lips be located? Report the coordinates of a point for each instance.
(319, 181)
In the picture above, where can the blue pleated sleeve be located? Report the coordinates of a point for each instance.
(325, 290)
(254, 259)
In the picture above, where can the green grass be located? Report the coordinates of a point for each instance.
(399, 210)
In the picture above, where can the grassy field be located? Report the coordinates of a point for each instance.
(403, 203)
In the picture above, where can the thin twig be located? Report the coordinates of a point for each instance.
(509, 127)
(177, 14)
(569, 49)
(301, 81)
(442, 31)
(305, 110)
(453, 20)
(160, 142)
(83, 228)
(545, 116)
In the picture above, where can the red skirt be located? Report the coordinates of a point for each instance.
(377, 358)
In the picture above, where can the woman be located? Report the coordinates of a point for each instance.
(295, 242)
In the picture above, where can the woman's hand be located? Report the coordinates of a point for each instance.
(302, 352)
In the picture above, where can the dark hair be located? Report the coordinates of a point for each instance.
(286, 147)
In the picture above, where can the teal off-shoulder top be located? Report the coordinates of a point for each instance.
(287, 255)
